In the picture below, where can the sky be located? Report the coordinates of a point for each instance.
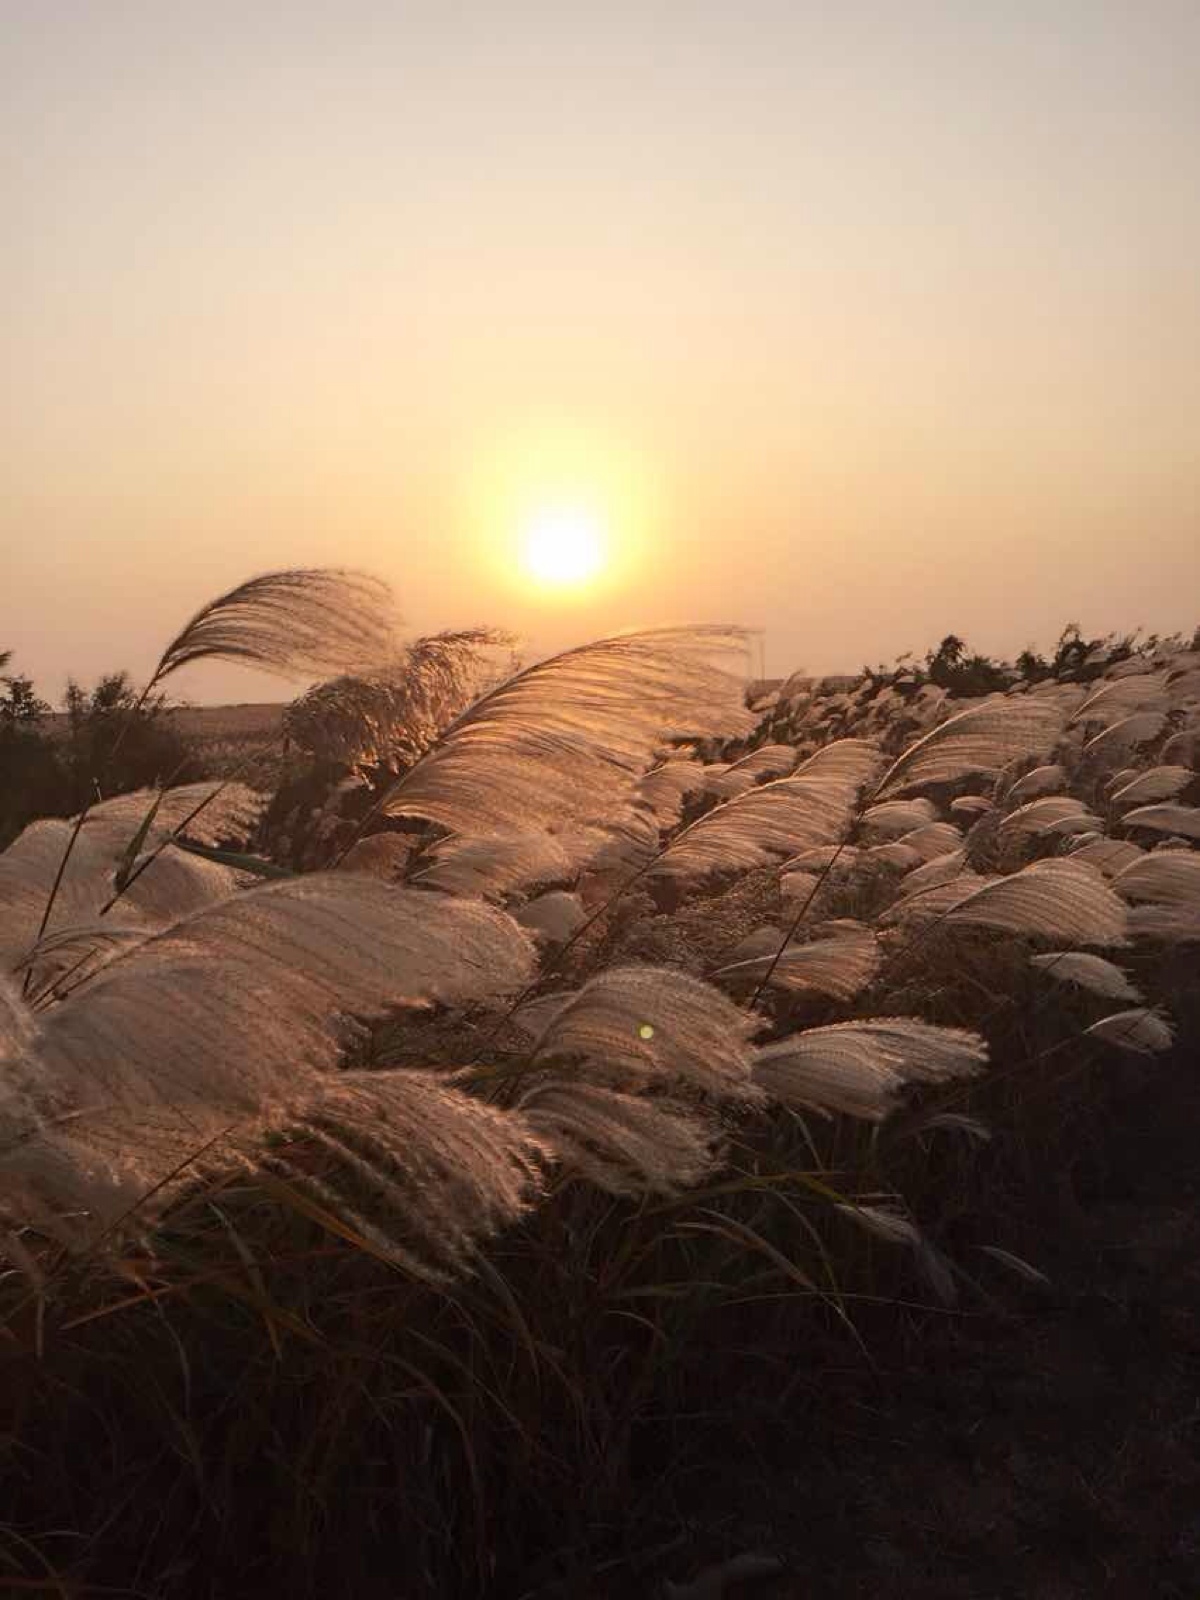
(857, 324)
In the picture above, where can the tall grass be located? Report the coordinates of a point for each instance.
(626, 1036)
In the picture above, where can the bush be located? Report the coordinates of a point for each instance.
(121, 742)
(111, 739)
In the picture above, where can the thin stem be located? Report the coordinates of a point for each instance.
(54, 888)
(148, 862)
(556, 961)
(191, 816)
(799, 918)
(83, 815)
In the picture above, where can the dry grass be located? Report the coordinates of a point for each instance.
(367, 1218)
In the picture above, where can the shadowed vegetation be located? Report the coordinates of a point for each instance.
(570, 1086)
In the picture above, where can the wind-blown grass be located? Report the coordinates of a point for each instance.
(571, 1087)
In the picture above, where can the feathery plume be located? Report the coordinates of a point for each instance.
(1056, 899)
(623, 1143)
(655, 1024)
(629, 843)
(768, 761)
(850, 762)
(885, 1222)
(773, 820)
(227, 1005)
(762, 941)
(1109, 856)
(567, 739)
(1119, 738)
(1016, 1264)
(810, 808)
(176, 884)
(665, 787)
(895, 853)
(236, 1009)
(840, 967)
(554, 916)
(391, 715)
(1141, 1031)
(798, 888)
(533, 1016)
(173, 885)
(422, 1171)
(1159, 783)
(891, 1224)
(18, 1027)
(380, 855)
(1171, 924)
(496, 864)
(823, 857)
(980, 740)
(1088, 972)
(1053, 813)
(1170, 877)
(859, 1067)
(229, 813)
(58, 951)
(1121, 696)
(303, 620)
(933, 840)
(893, 818)
(1184, 747)
(1042, 780)
(942, 869)
(27, 873)
(972, 805)
(1166, 818)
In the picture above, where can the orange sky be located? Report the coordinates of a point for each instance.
(862, 323)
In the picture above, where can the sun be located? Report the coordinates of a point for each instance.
(563, 547)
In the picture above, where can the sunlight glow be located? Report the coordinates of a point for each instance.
(563, 546)
(563, 520)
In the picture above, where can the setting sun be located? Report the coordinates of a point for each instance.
(563, 518)
(563, 546)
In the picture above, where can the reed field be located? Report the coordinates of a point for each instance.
(601, 1128)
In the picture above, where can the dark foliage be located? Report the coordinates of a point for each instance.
(111, 739)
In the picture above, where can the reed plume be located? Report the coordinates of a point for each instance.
(653, 1025)
(812, 807)
(236, 1010)
(860, 1067)
(1040, 781)
(1167, 818)
(1169, 877)
(1141, 1031)
(1087, 971)
(840, 967)
(1058, 899)
(626, 1144)
(567, 739)
(980, 740)
(312, 620)
(1158, 783)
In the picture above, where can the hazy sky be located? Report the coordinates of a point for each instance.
(862, 322)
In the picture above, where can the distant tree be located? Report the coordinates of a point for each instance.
(31, 774)
(19, 705)
(1033, 667)
(1071, 651)
(120, 742)
(951, 668)
(948, 655)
